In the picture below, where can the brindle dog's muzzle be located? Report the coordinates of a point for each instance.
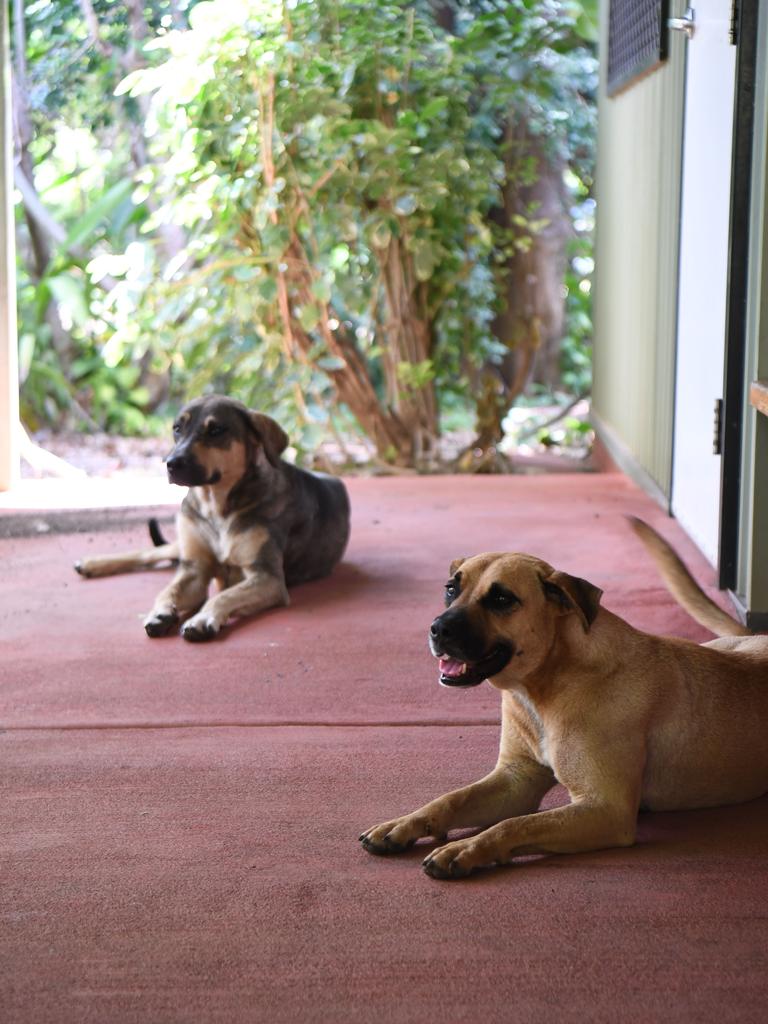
(185, 470)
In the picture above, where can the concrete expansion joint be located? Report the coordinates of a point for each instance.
(276, 724)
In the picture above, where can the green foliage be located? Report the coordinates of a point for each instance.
(81, 150)
(372, 156)
(331, 166)
(347, 135)
(576, 349)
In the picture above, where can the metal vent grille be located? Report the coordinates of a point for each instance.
(637, 40)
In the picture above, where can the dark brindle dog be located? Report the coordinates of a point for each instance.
(251, 521)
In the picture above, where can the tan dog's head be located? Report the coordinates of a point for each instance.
(503, 614)
(217, 439)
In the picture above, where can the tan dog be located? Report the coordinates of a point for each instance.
(623, 719)
(250, 521)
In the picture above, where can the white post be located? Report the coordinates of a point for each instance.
(9, 366)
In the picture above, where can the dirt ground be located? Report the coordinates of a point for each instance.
(107, 455)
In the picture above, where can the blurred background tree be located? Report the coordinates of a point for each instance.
(367, 218)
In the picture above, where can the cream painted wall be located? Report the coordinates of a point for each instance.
(635, 302)
(638, 182)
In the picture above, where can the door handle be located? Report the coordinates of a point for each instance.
(685, 24)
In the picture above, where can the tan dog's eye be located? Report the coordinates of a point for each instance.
(499, 599)
(451, 591)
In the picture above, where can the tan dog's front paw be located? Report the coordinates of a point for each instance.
(456, 860)
(200, 627)
(397, 835)
(160, 623)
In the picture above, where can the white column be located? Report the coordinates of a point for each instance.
(9, 369)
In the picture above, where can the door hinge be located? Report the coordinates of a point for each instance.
(686, 24)
(717, 436)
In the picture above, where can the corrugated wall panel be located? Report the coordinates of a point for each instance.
(638, 215)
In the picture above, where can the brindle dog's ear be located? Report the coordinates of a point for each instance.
(456, 565)
(272, 436)
(574, 594)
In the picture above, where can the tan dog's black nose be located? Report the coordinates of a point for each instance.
(446, 626)
(436, 629)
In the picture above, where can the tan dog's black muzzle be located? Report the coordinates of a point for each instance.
(464, 658)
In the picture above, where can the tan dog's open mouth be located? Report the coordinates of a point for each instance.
(455, 672)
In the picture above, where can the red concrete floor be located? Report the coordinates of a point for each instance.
(179, 822)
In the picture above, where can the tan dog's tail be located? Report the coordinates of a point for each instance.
(683, 587)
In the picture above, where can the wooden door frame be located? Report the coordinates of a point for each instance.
(736, 337)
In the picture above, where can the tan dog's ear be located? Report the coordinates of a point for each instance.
(271, 434)
(574, 594)
(456, 564)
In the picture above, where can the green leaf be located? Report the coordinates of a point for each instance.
(380, 234)
(309, 316)
(246, 272)
(339, 257)
(87, 225)
(275, 239)
(26, 354)
(321, 289)
(267, 288)
(139, 396)
(70, 292)
(330, 363)
(424, 260)
(434, 107)
(406, 205)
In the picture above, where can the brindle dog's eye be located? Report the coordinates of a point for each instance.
(176, 429)
(216, 429)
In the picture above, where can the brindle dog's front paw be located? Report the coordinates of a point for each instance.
(395, 836)
(160, 624)
(200, 628)
(456, 860)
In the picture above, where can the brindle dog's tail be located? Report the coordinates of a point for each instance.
(156, 533)
(683, 587)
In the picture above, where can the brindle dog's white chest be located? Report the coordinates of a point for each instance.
(215, 529)
(234, 550)
(228, 550)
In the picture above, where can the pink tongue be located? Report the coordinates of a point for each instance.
(451, 666)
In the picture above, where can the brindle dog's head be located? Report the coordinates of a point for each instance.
(217, 439)
(503, 614)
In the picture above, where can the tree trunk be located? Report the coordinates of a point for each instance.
(395, 426)
(408, 343)
(530, 322)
